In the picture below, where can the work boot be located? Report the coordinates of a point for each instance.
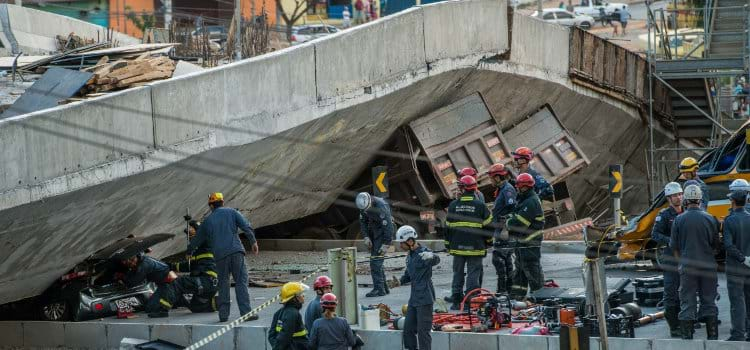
(375, 293)
(686, 329)
(670, 314)
(712, 328)
(455, 298)
(456, 306)
(158, 314)
(251, 318)
(387, 290)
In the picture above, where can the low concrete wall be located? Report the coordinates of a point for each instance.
(98, 335)
(543, 45)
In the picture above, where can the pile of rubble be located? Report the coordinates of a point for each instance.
(122, 74)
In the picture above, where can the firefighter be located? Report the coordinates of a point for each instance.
(737, 246)
(322, 285)
(661, 233)
(330, 332)
(377, 228)
(202, 282)
(522, 157)
(466, 239)
(287, 331)
(505, 202)
(525, 226)
(141, 268)
(694, 241)
(689, 171)
(418, 272)
(469, 171)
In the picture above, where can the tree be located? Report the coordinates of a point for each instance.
(290, 18)
(142, 21)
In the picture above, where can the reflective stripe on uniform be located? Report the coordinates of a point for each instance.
(177, 267)
(204, 256)
(465, 224)
(165, 303)
(539, 218)
(301, 333)
(487, 221)
(522, 219)
(475, 252)
(212, 274)
(532, 236)
(467, 199)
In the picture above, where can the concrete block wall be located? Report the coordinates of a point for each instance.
(543, 45)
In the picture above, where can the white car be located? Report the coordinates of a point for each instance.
(566, 18)
(591, 8)
(306, 33)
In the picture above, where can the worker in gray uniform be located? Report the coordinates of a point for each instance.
(418, 272)
(694, 241)
(660, 234)
(376, 223)
(330, 332)
(737, 246)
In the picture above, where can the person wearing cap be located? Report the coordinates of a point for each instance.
(377, 228)
(202, 280)
(661, 233)
(322, 285)
(737, 246)
(142, 268)
(287, 331)
(689, 172)
(694, 241)
(331, 332)
(418, 272)
(220, 228)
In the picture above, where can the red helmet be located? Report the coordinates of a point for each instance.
(525, 180)
(497, 169)
(328, 301)
(468, 172)
(523, 153)
(322, 281)
(468, 183)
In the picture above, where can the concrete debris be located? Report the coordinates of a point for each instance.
(122, 74)
(183, 68)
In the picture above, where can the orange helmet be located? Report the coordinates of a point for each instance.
(498, 169)
(468, 172)
(525, 180)
(215, 197)
(468, 183)
(523, 153)
(322, 281)
(328, 301)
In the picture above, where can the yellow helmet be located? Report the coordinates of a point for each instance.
(688, 165)
(215, 197)
(292, 289)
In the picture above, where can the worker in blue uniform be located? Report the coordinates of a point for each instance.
(142, 268)
(524, 229)
(737, 246)
(505, 203)
(660, 234)
(376, 223)
(321, 286)
(522, 157)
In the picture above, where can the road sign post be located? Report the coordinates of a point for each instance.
(615, 191)
(380, 181)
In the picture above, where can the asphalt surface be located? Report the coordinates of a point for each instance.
(564, 266)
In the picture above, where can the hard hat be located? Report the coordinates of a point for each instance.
(292, 289)
(322, 281)
(498, 169)
(468, 183)
(215, 197)
(739, 185)
(523, 153)
(328, 301)
(404, 233)
(688, 165)
(525, 180)
(364, 201)
(468, 172)
(737, 195)
(693, 192)
(672, 188)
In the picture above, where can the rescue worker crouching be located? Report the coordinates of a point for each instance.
(694, 241)
(418, 272)
(737, 246)
(314, 311)
(202, 282)
(287, 331)
(505, 202)
(377, 228)
(467, 239)
(661, 233)
(689, 171)
(330, 332)
(525, 225)
(144, 268)
(522, 157)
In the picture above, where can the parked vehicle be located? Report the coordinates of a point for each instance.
(89, 290)
(215, 33)
(306, 33)
(566, 18)
(591, 8)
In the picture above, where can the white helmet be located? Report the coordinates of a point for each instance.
(364, 201)
(739, 185)
(672, 188)
(693, 192)
(405, 232)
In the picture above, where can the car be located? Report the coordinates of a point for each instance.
(215, 33)
(591, 8)
(566, 18)
(89, 290)
(306, 33)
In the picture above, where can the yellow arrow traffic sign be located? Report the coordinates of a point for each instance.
(618, 181)
(379, 182)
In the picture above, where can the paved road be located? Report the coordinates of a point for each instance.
(638, 10)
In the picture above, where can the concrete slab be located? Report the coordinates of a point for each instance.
(726, 345)
(441, 341)
(224, 342)
(551, 38)
(678, 344)
(252, 338)
(629, 344)
(117, 331)
(476, 341)
(12, 334)
(175, 333)
(376, 340)
(43, 334)
(85, 335)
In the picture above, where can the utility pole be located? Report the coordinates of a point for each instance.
(238, 30)
(167, 13)
(539, 8)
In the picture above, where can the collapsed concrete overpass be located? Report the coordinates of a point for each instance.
(282, 134)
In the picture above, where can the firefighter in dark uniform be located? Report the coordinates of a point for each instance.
(525, 227)
(505, 202)
(202, 282)
(694, 241)
(287, 331)
(143, 268)
(377, 228)
(469, 171)
(466, 238)
(522, 157)
(737, 245)
(660, 234)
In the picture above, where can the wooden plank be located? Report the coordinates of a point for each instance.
(144, 77)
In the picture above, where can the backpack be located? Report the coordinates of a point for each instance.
(358, 5)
